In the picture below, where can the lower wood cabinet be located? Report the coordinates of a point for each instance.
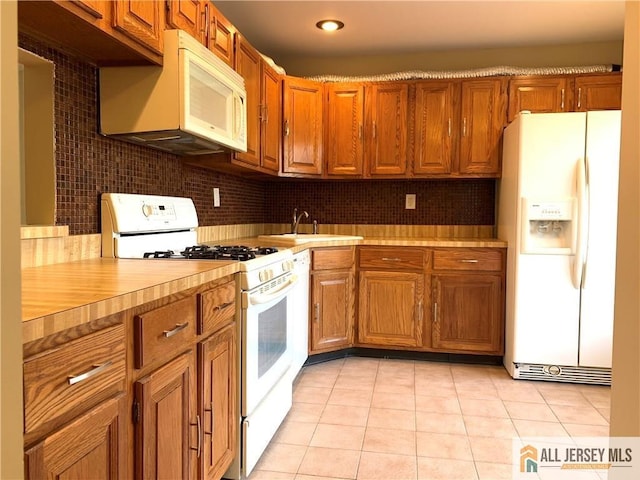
(332, 299)
(92, 446)
(166, 427)
(467, 300)
(467, 313)
(147, 393)
(217, 401)
(390, 309)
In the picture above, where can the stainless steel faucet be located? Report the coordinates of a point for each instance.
(296, 220)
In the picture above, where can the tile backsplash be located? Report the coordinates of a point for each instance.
(88, 164)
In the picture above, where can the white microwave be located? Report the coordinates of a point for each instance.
(194, 104)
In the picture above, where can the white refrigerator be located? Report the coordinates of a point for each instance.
(557, 209)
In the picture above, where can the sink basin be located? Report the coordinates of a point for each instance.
(300, 238)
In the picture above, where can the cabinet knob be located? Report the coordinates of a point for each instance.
(435, 312)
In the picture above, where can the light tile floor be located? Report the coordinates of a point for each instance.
(365, 418)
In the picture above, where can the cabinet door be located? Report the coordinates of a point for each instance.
(483, 115)
(92, 446)
(220, 34)
(248, 65)
(390, 308)
(539, 95)
(434, 125)
(98, 9)
(467, 313)
(387, 128)
(187, 15)
(271, 118)
(217, 360)
(302, 126)
(332, 318)
(142, 21)
(344, 128)
(598, 92)
(166, 433)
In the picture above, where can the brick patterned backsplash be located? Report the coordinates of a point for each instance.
(88, 164)
(380, 202)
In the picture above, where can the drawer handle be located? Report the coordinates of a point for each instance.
(224, 305)
(469, 261)
(435, 312)
(391, 259)
(73, 379)
(179, 326)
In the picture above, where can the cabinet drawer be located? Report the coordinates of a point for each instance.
(332, 258)
(217, 307)
(468, 259)
(392, 258)
(163, 330)
(74, 377)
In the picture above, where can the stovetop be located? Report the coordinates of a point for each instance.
(215, 252)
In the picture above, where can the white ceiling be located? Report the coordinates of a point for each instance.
(287, 28)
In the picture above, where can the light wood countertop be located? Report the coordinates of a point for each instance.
(63, 295)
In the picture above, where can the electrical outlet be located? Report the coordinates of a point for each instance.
(216, 197)
(410, 201)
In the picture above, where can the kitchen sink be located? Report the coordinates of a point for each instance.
(301, 238)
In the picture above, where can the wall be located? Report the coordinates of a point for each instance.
(88, 164)
(625, 393)
(543, 56)
(10, 326)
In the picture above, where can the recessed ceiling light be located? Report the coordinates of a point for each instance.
(330, 25)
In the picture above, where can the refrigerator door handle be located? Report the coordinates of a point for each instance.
(581, 224)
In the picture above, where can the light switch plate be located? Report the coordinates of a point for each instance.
(410, 201)
(216, 197)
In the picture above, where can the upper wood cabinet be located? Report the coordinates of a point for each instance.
(219, 34)
(142, 21)
(598, 92)
(482, 117)
(386, 128)
(104, 33)
(302, 126)
(565, 93)
(203, 21)
(264, 112)
(344, 129)
(458, 128)
(187, 15)
(434, 127)
(540, 94)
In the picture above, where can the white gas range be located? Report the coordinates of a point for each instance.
(273, 322)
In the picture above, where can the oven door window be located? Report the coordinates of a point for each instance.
(266, 349)
(272, 336)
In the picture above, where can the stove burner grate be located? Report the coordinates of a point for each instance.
(159, 254)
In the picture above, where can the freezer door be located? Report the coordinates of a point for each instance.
(546, 311)
(596, 310)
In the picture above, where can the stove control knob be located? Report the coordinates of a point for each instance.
(262, 275)
(147, 210)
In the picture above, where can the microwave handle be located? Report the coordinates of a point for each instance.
(237, 110)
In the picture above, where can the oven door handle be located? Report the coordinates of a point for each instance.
(261, 299)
